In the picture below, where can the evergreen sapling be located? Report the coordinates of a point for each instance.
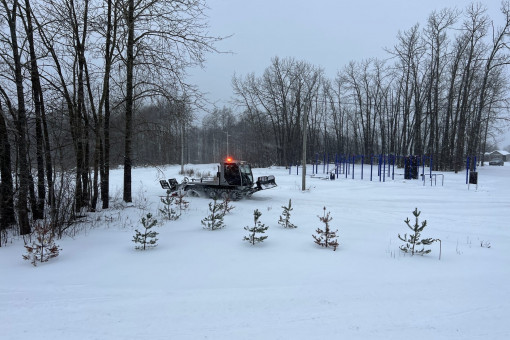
(168, 211)
(226, 205)
(214, 220)
(148, 238)
(258, 228)
(181, 202)
(43, 247)
(413, 241)
(285, 216)
(326, 238)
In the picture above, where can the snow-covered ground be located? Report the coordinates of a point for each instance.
(200, 284)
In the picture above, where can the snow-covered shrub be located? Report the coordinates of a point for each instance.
(147, 238)
(413, 241)
(214, 220)
(326, 238)
(140, 201)
(285, 216)
(63, 216)
(43, 247)
(258, 228)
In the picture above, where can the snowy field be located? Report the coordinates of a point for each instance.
(201, 284)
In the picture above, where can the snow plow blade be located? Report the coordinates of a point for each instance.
(266, 182)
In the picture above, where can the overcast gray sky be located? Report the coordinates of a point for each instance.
(325, 33)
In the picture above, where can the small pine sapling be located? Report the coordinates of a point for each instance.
(181, 202)
(214, 220)
(285, 216)
(226, 205)
(258, 228)
(147, 239)
(43, 247)
(326, 238)
(168, 211)
(414, 241)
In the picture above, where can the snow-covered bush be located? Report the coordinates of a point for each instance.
(147, 238)
(285, 216)
(43, 247)
(214, 220)
(258, 228)
(326, 238)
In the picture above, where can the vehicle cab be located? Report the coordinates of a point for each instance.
(236, 173)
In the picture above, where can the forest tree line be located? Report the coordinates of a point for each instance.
(75, 78)
(442, 92)
(89, 85)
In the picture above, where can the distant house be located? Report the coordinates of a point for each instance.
(505, 155)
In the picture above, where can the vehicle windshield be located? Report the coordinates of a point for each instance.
(246, 174)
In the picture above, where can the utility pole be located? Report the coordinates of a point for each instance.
(227, 144)
(214, 156)
(182, 148)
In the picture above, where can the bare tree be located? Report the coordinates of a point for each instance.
(475, 28)
(43, 154)
(495, 60)
(280, 98)
(409, 51)
(7, 214)
(162, 38)
(67, 48)
(11, 16)
(436, 40)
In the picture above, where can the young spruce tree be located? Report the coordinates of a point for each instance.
(148, 238)
(326, 238)
(258, 228)
(226, 205)
(43, 247)
(214, 220)
(168, 210)
(181, 202)
(413, 241)
(285, 216)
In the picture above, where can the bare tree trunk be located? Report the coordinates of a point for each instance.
(7, 214)
(98, 142)
(129, 101)
(110, 39)
(21, 123)
(38, 212)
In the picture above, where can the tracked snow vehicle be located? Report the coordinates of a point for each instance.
(234, 180)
